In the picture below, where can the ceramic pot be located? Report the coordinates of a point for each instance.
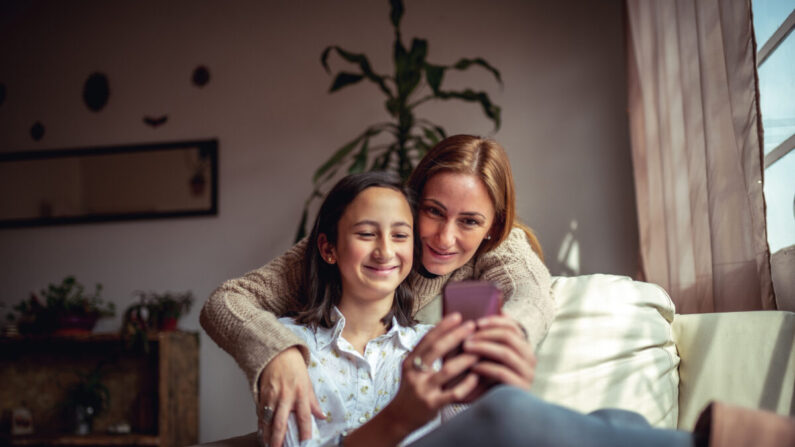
(75, 324)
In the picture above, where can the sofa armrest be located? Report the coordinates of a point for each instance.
(741, 358)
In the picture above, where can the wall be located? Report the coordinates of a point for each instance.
(564, 128)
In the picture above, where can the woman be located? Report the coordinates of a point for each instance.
(467, 229)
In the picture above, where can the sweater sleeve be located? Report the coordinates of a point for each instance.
(241, 315)
(525, 283)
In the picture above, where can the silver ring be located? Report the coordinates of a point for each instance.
(417, 364)
(267, 414)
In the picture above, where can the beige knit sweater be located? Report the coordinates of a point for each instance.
(241, 314)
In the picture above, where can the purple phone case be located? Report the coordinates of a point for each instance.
(472, 299)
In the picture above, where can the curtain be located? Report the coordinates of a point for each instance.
(697, 153)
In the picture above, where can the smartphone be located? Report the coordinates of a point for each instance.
(473, 300)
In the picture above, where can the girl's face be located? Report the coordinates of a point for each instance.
(375, 244)
(455, 215)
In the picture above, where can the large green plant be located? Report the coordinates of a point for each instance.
(409, 137)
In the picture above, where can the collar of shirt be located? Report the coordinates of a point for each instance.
(327, 336)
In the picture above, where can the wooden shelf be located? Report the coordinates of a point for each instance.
(84, 440)
(91, 337)
(155, 391)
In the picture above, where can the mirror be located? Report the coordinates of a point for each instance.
(109, 183)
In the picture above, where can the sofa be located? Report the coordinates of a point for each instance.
(618, 343)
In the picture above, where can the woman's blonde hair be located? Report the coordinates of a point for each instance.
(468, 154)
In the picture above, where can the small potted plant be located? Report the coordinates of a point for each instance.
(154, 312)
(86, 399)
(63, 309)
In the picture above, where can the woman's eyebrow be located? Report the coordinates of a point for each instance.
(463, 213)
(436, 202)
(472, 214)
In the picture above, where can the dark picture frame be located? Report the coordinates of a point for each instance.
(109, 183)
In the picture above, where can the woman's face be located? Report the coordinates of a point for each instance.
(375, 244)
(455, 215)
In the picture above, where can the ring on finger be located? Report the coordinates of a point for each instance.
(267, 414)
(418, 365)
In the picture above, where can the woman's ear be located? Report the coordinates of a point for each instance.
(326, 249)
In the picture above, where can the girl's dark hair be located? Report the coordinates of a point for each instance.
(323, 288)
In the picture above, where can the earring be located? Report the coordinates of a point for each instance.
(330, 259)
(488, 237)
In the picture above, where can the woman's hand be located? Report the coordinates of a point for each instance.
(422, 391)
(285, 387)
(505, 355)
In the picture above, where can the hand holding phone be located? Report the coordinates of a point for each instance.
(473, 300)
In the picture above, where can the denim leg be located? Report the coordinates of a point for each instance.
(507, 416)
(616, 416)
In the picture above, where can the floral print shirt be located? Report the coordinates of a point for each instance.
(351, 387)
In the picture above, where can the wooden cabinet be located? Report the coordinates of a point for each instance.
(155, 391)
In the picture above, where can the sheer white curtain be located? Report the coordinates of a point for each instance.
(696, 146)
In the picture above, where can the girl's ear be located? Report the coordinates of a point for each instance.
(326, 249)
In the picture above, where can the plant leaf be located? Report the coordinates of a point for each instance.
(490, 109)
(409, 66)
(396, 12)
(339, 154)
(465, 63)
(434, 75)
(360, 160)
(344, 79)
(360, 60)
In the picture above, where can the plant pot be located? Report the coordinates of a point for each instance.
(75, 324)
(168, 324)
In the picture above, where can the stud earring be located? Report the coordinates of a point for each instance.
(488, 237)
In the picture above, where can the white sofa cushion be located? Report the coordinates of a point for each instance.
(610, 346)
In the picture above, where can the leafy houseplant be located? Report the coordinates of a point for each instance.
(153, 312)
(410, 137)
(86, 399)
(63, 308)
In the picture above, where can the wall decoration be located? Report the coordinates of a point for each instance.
(156, 122)
(37, 131)
(201, 76)
(159, 180)
(96, 91)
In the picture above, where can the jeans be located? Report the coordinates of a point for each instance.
(508, 416)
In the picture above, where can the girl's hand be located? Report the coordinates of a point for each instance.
(422, 391)
(285, 387)
(505, 355)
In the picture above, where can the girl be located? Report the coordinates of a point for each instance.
(355, 318)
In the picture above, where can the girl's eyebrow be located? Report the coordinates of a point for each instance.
(374, 223)
(463, 213)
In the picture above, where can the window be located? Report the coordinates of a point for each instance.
(774, 21)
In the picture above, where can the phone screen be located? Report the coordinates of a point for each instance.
(473, 300)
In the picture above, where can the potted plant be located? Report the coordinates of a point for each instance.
(86, 399)
(153, 312)
(63, 309)
(399, 143)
